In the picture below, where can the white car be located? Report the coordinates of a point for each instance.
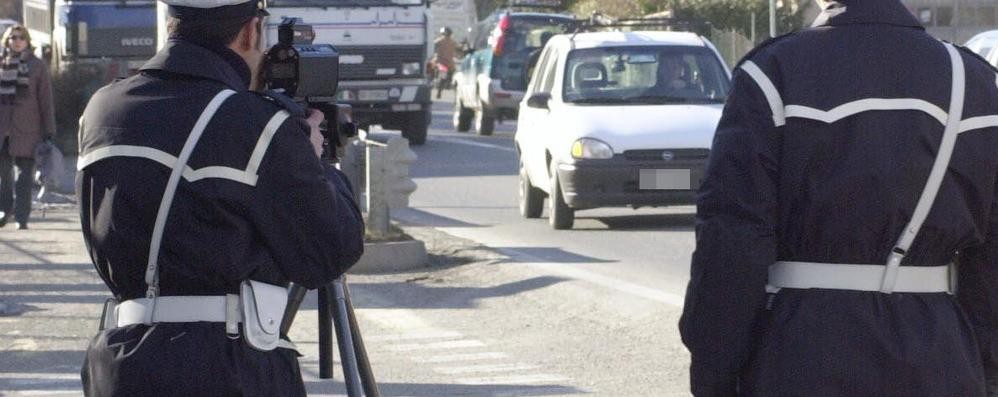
(986, 45)
(615, 119)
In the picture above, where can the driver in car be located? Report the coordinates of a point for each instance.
(670, 75)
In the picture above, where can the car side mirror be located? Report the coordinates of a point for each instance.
(539, 100)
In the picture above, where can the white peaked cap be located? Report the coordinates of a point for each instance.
(214, 9)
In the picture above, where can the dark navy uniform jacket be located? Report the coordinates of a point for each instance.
(815, 171)
(254, 203)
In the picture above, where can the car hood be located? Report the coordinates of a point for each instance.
(643, 127)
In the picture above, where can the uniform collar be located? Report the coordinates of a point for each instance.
(854, 12)
(220, 64)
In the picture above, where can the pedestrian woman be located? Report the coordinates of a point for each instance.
(26, 119)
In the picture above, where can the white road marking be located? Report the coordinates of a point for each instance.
(419, 335)
(573, 272)
(456, 344)
(450, 358)
(471, 369)
(512, 380)
(459, 141)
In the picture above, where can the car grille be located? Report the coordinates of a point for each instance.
(656, 154)
(379, 57)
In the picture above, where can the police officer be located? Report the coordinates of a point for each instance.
(823, 243)
(198, 198)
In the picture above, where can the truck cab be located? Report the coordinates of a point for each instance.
(114, 37)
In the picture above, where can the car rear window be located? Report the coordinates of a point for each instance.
(525, 36)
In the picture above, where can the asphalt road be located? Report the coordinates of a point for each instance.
(467, 187)
(627, 269)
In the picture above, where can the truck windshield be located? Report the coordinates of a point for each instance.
(343, 3)
(645, 75)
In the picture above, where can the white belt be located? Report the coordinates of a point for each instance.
(913, 279)
(186, 309)
(178, 309)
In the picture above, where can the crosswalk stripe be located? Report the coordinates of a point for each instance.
(512, 380)
(470, 369)
(456, 344)
(415, 336)
(450, 358)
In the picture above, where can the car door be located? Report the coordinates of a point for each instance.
(526, 130)
(537, 122)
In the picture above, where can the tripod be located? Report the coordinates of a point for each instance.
(336, 315)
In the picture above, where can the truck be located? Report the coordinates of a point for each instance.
(110, 37)
(383, 45)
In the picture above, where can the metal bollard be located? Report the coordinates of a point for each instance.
(378, 220)
(352, 165)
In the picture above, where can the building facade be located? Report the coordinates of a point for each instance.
(955, 20)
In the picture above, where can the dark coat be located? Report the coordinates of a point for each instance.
(32, 116)
(289, 220)
(841, 191)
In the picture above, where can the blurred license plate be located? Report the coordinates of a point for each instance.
(373, 95)
(664, 180)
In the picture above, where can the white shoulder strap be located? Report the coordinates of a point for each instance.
(935, 177)
(152, 269)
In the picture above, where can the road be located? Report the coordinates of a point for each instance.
(467, 187)
(623, 263)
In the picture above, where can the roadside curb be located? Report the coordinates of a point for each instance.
(391, 257)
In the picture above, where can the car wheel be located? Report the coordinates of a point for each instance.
(462, 116)
(485, 122)
(560, 216)
(531, 198)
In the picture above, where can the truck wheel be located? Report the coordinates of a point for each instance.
(560, 216)
(485, 121)
(415, 128)
(462, 116)
(531, 198)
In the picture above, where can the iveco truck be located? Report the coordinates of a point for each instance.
(383, 47)
(113, 37)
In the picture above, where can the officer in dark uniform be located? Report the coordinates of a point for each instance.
(802, 282)
(190, 187)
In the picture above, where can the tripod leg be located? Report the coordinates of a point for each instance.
(295, 297)
(363, 363)
(325, 333)
(344, 337)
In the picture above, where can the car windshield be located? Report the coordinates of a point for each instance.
(645, 75)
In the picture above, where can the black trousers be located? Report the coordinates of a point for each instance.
(185, 360)
(15, 196)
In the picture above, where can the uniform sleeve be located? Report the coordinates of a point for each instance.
(977, 292)
(735, 241)
(305, 212)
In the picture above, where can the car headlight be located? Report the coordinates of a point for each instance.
(588, 148)
(411, 68)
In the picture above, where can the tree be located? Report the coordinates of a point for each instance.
(721, 14)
